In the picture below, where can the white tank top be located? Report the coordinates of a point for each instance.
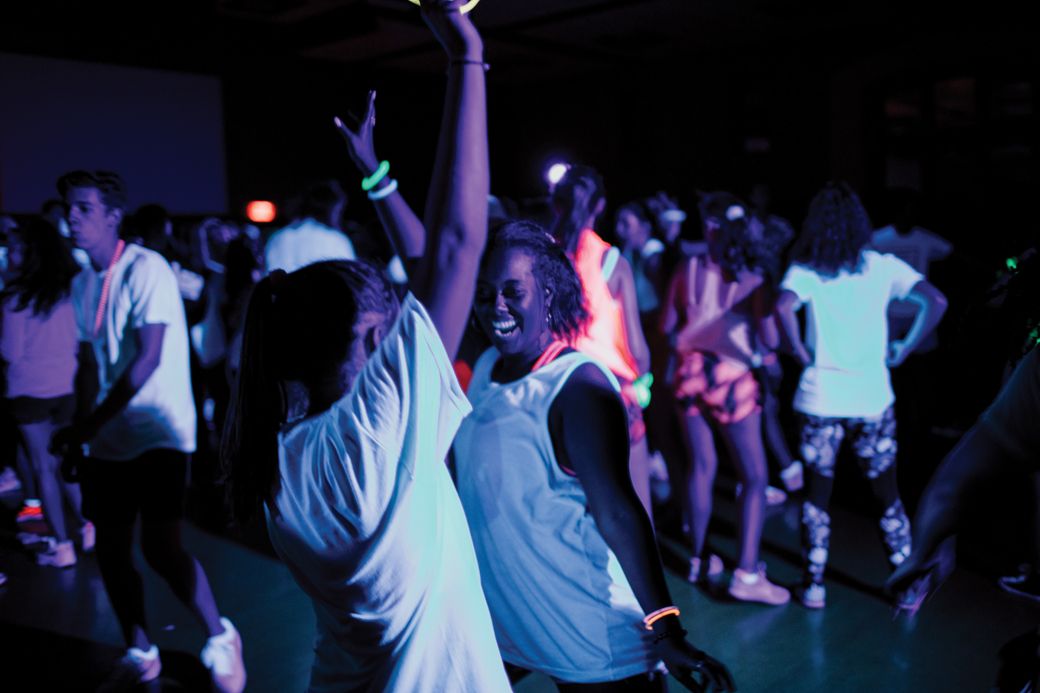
(560, 603)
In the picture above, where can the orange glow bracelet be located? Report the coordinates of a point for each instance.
(650, 619)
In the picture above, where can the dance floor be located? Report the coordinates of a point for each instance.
(59, 633)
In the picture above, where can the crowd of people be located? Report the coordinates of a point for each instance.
(452, 436)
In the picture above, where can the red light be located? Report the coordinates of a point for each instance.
(261, 211)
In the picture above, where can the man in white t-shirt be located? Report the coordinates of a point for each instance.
(140, 430)
(313, 235)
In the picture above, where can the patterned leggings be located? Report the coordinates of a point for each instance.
(873, 442)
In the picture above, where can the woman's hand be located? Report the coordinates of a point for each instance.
(453, 30)
(359, 141)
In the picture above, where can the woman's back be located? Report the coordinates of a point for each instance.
(39, 349)
(715, 311)
(369, 523)
(847, 332)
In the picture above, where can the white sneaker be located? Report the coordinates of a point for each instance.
(137, 666)
(9, 482)
(705, 571)
(87, 536)
(61, 554)
(222, 655)
(792, 476)
(813, 596)
(774, 496)
(756, 587)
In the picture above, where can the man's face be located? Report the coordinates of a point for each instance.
(90, 221)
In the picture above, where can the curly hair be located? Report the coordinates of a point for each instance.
(48, 267)
(552, 269)
(835, 231)
(738, 245)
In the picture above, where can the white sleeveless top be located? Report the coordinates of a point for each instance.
(560, 603)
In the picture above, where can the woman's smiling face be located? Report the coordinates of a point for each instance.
(511, 305)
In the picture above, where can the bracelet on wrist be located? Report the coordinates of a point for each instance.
(465, 62)
(654, 616)
(383, 192)
(379, 174)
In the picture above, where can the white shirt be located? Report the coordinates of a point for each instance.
(143, 292)
(560, 601)
(306, 242)
(847, 331)
(370, 525)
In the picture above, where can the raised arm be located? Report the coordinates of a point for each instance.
(401, 224)
(931, 304)
(456, 205)
(587, 424)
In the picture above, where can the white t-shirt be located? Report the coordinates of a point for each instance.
(370, 525)
(143, 292)
(560, 601)
(847, 331)
(306, 242)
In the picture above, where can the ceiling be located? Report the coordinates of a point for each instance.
(524, 38)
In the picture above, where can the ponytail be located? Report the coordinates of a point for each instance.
(249, 450)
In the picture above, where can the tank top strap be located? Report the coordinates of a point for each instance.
(610, 262)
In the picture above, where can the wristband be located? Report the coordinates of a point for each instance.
(384, 192)
(653, 617)
(673, 216)
(380, 173)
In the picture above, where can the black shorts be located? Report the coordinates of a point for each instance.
(55, 410)
(152, 485)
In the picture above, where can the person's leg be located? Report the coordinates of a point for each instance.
(820, 440)
(744, 441)
(162, 547)
(163, 489)
(122, 581)
(874, 443)
(700, 478)
(36, 438)
(977, 457)
(24, 467)
(110, 501)
(772, 431)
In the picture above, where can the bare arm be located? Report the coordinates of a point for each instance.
(588, 427)
(623, 288)
(785, 311)
(765, 323)
(456, 205)
(403, 227)
(149, 339)
(670, 311)
(931, 304)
